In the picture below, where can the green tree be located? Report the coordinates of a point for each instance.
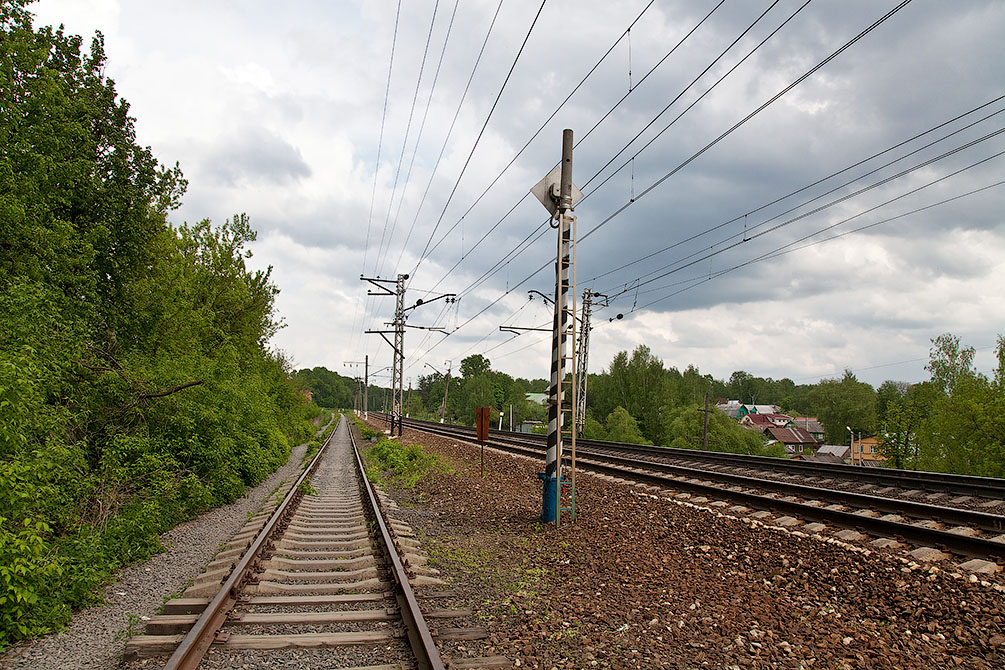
(685, 427)
(593, 429)
(964, 431)
(844, 403)
(903, 417)
(474, 365)
(478, 393)
(136, 387)
(622, 427)
(889, 392)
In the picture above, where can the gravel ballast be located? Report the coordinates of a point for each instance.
(96, 636)
(643, 580)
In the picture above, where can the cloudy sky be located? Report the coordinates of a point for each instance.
(852, 219)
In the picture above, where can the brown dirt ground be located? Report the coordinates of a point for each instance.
(643, 581)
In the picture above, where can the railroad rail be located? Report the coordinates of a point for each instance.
(931, 482)
(322, 570)
(973, 533)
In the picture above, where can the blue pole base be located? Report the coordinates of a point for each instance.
(548, 501)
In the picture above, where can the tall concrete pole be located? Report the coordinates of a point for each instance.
(366, 386)
(550, 508)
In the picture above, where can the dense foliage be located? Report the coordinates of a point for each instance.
(135, 385)
(953, 423)
(477, 386)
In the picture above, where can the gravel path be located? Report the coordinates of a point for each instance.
(89, 642)
(645, 581)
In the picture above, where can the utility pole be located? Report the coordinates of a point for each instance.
(398, 345)
(557, 193)
(408, 403)
(354, 366)
(366, 387)
(704, 434)
(590, 298)
(446, 388)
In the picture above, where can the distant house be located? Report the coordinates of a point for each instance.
(308, 396)
(762, 421)
(811, 425)
(865, 451)
(819, 457)
(539, 398)
(840, 451)
(729, 407)
(796, 440)
(757, 409)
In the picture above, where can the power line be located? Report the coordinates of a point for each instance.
(450, 131)
(422, 125)
(376, 170)
(777, 251)
(718, 139)
(678, 96)
(816, 210)
(747, 118)
(478, 139)
(822, 180)
(532, 138)
(693, 82)
(584, 136)
(378, 266)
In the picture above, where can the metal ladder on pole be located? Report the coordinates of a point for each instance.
(568, 401)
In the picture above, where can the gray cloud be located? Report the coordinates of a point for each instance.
(254, 155)
(288, 131)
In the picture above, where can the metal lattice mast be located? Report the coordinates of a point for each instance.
(583, 358)
(590, 298)
(398, 367)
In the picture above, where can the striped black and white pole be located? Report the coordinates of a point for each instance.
(550, 508)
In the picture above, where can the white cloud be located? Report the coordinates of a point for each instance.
(278, 114)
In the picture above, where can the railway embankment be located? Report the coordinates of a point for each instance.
(650, 579)
(96, 636)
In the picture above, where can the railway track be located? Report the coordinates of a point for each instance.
(320, 572)
(967, 532)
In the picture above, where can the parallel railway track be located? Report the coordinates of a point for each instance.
(323, 571)
(966, 532)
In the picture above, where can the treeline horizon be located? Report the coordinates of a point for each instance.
(954, 422)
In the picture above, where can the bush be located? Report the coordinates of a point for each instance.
(390, 461)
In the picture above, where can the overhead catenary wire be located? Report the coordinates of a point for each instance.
(450, 131)
(747, 237)
(775, 252)
(659, 182)
(376, 170)
(714, 142)
(422, 125)
(534, 136)
(453, 122)
(722, 136)
(582, 138)
(664, 110)
(481, 132)
(379, 264)
(819, 181)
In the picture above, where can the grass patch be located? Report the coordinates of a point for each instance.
(391, 462)
(365, 431)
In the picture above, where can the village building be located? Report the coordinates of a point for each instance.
(796, 440)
